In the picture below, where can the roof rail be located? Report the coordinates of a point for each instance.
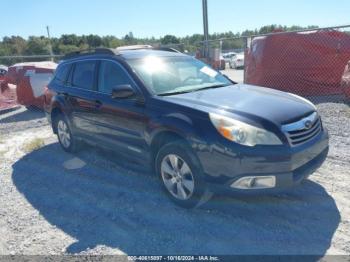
(134, 47)
(110, 51)
(168, 49)
(139, 47)
(106, 51)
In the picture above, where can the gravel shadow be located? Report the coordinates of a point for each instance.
(107, 204)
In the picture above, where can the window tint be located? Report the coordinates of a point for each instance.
(62, 72)
(111, 75)
(84, 74)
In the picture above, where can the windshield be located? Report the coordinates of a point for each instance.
(172, 75)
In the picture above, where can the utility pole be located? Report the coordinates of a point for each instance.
(50, 45)
(206, 28)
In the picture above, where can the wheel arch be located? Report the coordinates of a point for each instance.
(162, 138)
(55, 112)
(58, 106)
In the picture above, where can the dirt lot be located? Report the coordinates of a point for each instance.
(52, 202)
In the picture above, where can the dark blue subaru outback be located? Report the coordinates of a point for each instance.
(199, 131)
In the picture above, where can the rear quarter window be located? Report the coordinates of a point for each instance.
(62, 72)
(84, 75)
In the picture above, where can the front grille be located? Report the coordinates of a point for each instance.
(303, 130)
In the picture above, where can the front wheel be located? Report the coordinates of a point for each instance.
(181, 176)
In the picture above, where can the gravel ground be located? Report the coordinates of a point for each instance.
(92, 203)
(236, 75)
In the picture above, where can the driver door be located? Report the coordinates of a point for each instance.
(122, 121)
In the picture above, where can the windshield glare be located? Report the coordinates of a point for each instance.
(167, 75)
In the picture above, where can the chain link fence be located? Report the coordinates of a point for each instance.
(313, 63)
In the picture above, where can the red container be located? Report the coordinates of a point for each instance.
(31, 79)
(307, 64)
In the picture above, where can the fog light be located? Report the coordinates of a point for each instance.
(255, 182)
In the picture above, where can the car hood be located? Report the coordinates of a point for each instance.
(247, 100)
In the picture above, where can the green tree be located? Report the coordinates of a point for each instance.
(37, 45)
(169, 39)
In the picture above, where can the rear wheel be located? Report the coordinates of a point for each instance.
(181, 176)
(65, 135)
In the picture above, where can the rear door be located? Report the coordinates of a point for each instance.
(82, 97)
(121, 121)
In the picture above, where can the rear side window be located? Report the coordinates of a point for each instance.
(84, 74)
(111, 76)
(62, 72)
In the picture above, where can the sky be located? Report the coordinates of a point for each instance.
(147, 18)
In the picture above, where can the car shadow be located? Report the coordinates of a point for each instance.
(23, 115)
(106, 203)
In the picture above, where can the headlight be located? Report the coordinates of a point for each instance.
(243, 133)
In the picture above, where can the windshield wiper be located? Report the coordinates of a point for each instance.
(176, 93)
(193, 90)
(211, 87)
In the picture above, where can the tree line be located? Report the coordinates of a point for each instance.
(40, 45)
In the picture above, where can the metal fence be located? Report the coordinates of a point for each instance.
(313, 63)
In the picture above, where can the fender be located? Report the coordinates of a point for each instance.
(58, 102)
(175, 122)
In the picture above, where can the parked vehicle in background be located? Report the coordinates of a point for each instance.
(237, 61)
(222, 63)
(228, 56)
(199, 131)
(7, 95)
(30, 79)
(3, 72)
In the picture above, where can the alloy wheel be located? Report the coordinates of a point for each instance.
(63, 134)
(177, 177)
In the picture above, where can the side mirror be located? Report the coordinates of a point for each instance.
(122, 92)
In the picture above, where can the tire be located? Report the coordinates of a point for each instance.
(64, 134)
(189, 194)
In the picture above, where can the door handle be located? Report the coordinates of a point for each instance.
(98, 104)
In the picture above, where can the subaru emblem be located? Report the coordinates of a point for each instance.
(308, 124)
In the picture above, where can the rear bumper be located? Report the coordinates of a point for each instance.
(288, 166)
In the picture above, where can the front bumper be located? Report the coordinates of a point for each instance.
(224, 165)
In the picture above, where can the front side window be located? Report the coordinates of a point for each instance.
(170, 75)
(84, 74)
(111, 76)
